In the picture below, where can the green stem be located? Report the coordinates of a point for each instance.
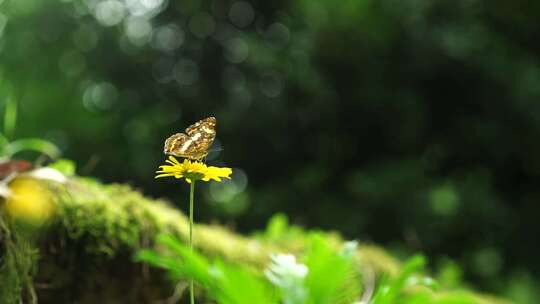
(191, 194)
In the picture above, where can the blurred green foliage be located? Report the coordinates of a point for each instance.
(98, 228)
(10, 147)
(413, 123)
(328, 276)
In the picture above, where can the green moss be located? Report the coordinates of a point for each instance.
(18, 258)
(115, 215)
(99, 228)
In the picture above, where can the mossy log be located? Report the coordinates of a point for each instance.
(86, 252)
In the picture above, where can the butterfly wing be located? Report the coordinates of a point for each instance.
(174, 143)
(207, 125)
(195, 144)
(203, 134)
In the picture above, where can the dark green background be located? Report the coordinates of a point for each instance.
(413, 124)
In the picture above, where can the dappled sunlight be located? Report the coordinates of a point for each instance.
(289, 152)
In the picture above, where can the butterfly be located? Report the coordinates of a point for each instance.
(195, 142)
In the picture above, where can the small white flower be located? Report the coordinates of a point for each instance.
(285, 265)
(285, 273)
(48, 174)
(349, 248)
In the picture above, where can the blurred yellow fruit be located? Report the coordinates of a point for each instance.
(30, 201)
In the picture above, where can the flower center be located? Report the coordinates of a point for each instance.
(193, 176)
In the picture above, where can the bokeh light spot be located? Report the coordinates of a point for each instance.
(145, 8)
(110, 12)
(151, 4)
(202, 25)
(241, 14)
(278, 35)
(229, 195)
(186, 72)
(271, 84)
(236, 50)
(487, 262)
(100, 96)
(168, 38)
(138, 30)
(444, 200)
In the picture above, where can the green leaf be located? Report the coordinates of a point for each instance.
(233, 284)
(332, 277)
(277, 226)
(32, 144)
(10, 117)
(65, 166)
(225, 283)
(3, 144)
(388, 292)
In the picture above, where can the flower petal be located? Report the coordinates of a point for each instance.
(192, 171)
(164, 175)
(174, 160)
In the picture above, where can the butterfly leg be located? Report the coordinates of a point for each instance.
(201, 158)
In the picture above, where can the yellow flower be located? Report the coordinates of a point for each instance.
(30, 201)
(192, 171)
